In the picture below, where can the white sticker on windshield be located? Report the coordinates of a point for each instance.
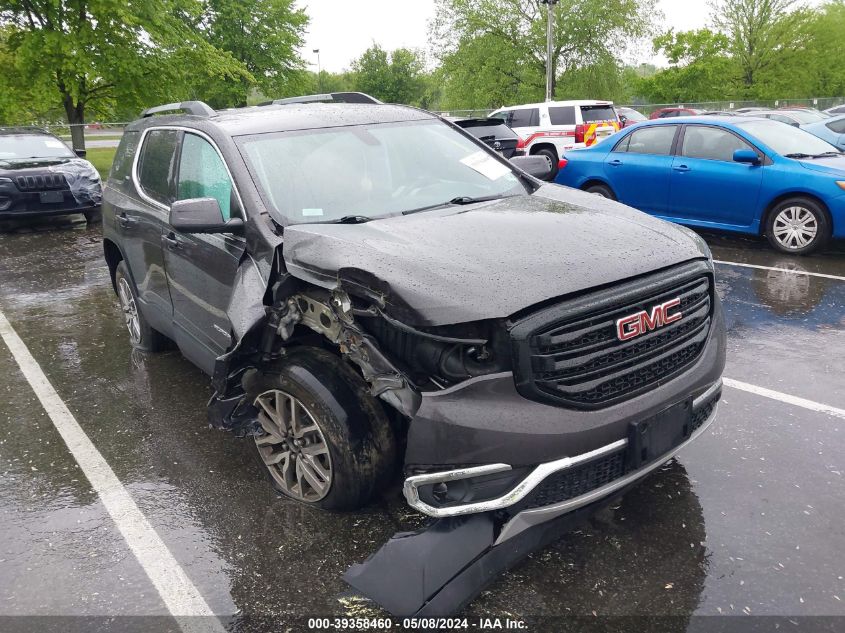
(53, 143)
(310, 213)
(486, 165)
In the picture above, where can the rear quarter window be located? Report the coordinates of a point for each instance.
(121, 167)
(562, 115)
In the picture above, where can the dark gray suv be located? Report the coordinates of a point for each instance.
(370, 286)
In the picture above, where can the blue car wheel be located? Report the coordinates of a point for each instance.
(798, 226)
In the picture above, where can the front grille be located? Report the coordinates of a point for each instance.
(569, 354)
(41, 182)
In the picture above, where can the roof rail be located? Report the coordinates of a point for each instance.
(197, 108)
(333, 97)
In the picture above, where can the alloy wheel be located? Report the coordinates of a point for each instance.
(130, 310)
(293, 447)
(795, 228)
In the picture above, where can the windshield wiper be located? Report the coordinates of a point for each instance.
(827, 154)
(458, 200)
(797, 155)
(352, 219)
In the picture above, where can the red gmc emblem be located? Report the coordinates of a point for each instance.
(643, 322)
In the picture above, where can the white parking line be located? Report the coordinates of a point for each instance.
(780, 270)
(182, 598)
(785, 397)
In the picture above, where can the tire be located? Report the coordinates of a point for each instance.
(141, 335)
(554, 162)
(94, 217)
(345, 450)
(601, 190)
(798, 226)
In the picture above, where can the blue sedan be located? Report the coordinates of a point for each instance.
(736, 174)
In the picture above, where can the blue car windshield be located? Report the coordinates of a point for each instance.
(371, 171)
(785, 139)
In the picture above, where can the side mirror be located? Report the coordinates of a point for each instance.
(202, 215)
(81, 153)
(537, 166)
(748, 156)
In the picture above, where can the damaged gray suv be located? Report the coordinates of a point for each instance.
(372, 289)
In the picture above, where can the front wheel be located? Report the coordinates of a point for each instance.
(324, 439)
(798, 226)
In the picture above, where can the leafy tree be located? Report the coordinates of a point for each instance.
(494, 51)
(261, 34)
(700, 68)
(395, 77)
(762, 37)
(95, 53)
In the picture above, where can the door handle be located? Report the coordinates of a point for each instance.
(681, 168)
(615, 163)
(172, 241)
(125, 221)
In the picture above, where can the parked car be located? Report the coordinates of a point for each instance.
(736, 174)
(494, 133)
(368, 285)
(550, 129)
(795, 118)
(718, 113)
(750, 109)
(665, 113)
(840, 109)
(831, 130)
(40, 176)
(629, 116)
(818, 113)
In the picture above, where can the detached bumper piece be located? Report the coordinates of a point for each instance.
(445, 566)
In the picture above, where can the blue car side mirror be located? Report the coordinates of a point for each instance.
(746, 156)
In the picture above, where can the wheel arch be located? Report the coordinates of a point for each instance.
(592, 181)
(113, 256)
(767, 211)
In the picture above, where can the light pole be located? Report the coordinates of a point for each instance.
(319, 71)
(550, 21)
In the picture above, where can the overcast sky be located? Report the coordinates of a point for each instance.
(343, 29)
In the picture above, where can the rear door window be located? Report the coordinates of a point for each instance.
(562, 115)
(594, 114)
(656, 140)
(157, 165)
(202, 174)
(525, 117)
(711, 143)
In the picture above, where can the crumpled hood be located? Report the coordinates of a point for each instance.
(489, 260)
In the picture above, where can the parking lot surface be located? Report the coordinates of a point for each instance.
(747, 521)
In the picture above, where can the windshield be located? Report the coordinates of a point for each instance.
(32, 146)
(371, 171)
(785, 139)
(804, 116)
(632, 115)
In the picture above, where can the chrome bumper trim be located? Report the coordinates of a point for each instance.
(523, 488)
(530, 518)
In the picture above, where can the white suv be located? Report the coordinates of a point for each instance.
(549, 129)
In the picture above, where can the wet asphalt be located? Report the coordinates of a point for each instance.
(748, 520)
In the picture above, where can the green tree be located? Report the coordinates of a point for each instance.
(95, 53)
(494, 51)
(700, 68)
(396, 77)
(264, 36)
(763, 38)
